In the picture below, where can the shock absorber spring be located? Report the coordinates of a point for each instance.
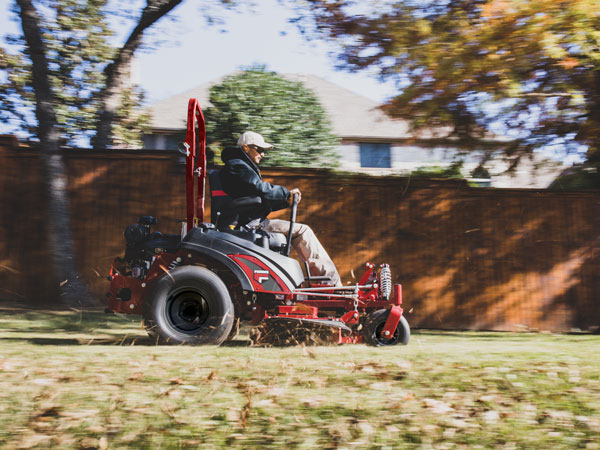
(174, 263)
(385, 281)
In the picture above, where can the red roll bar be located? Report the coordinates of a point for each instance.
(195, 164)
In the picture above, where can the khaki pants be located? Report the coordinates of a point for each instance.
(308, 247)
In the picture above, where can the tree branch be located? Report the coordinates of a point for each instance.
(119, 68)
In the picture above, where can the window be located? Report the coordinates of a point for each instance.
(375, 155)
(163, 141)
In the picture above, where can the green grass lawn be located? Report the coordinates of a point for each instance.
(88, 380)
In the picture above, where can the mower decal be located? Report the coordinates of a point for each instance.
(261, 276)
(263, 279)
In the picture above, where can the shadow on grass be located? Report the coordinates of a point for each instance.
(123, 341)
(78, 328)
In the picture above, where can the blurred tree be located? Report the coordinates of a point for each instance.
(285, 112)
(66, 78)
(527, 70)
(75, 36)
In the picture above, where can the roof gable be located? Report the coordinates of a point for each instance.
(351, 114)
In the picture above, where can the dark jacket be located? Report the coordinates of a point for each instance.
(241, 178)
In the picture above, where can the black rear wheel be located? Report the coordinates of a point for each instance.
(373, 330)
(189, 305)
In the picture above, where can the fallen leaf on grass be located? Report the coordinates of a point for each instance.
(367, 368)
(232, 415)
(79, 415)
(131, 437)
(307, 352)
(315, 382)
(381, 386)
(175, 394)
(7, 365)
(189, 387)
(171, 413)
(89, 444)
(491, 416)
(48, 412)
(449, 433)
(266, 403)
(486, 398)
(404, 365)
(392, 429)
(43, 381)
(430, 429)
(64, 379)
(457, 423)
(314, 401)
(34, 440)
(365, 428)
(136, 376)
(191, 442)
(276, 392)
(437, 406)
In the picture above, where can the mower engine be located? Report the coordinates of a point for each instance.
(143, 247)
(138, 254)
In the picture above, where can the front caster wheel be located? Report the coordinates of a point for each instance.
(373, 330)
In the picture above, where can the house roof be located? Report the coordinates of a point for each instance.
(351, 114)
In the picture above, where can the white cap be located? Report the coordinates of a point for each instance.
(252, 138)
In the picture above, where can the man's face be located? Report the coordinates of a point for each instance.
(255, 153)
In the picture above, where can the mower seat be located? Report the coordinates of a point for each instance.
(231, 214)
(227, 212)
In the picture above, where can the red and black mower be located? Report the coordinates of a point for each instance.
(196, 287)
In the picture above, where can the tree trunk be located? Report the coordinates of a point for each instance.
(72, 290)
(592, 126)
(116, 73)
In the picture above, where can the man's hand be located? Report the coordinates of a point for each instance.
(295, 191)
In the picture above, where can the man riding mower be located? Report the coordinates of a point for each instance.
(194, 287)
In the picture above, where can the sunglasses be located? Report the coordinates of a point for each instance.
(257, 148)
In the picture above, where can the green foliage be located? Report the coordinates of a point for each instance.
(527, 69)
(480, 172)
(130, 121)
(454, 170)
(76, 35)
(286, 113)
(577, 177)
